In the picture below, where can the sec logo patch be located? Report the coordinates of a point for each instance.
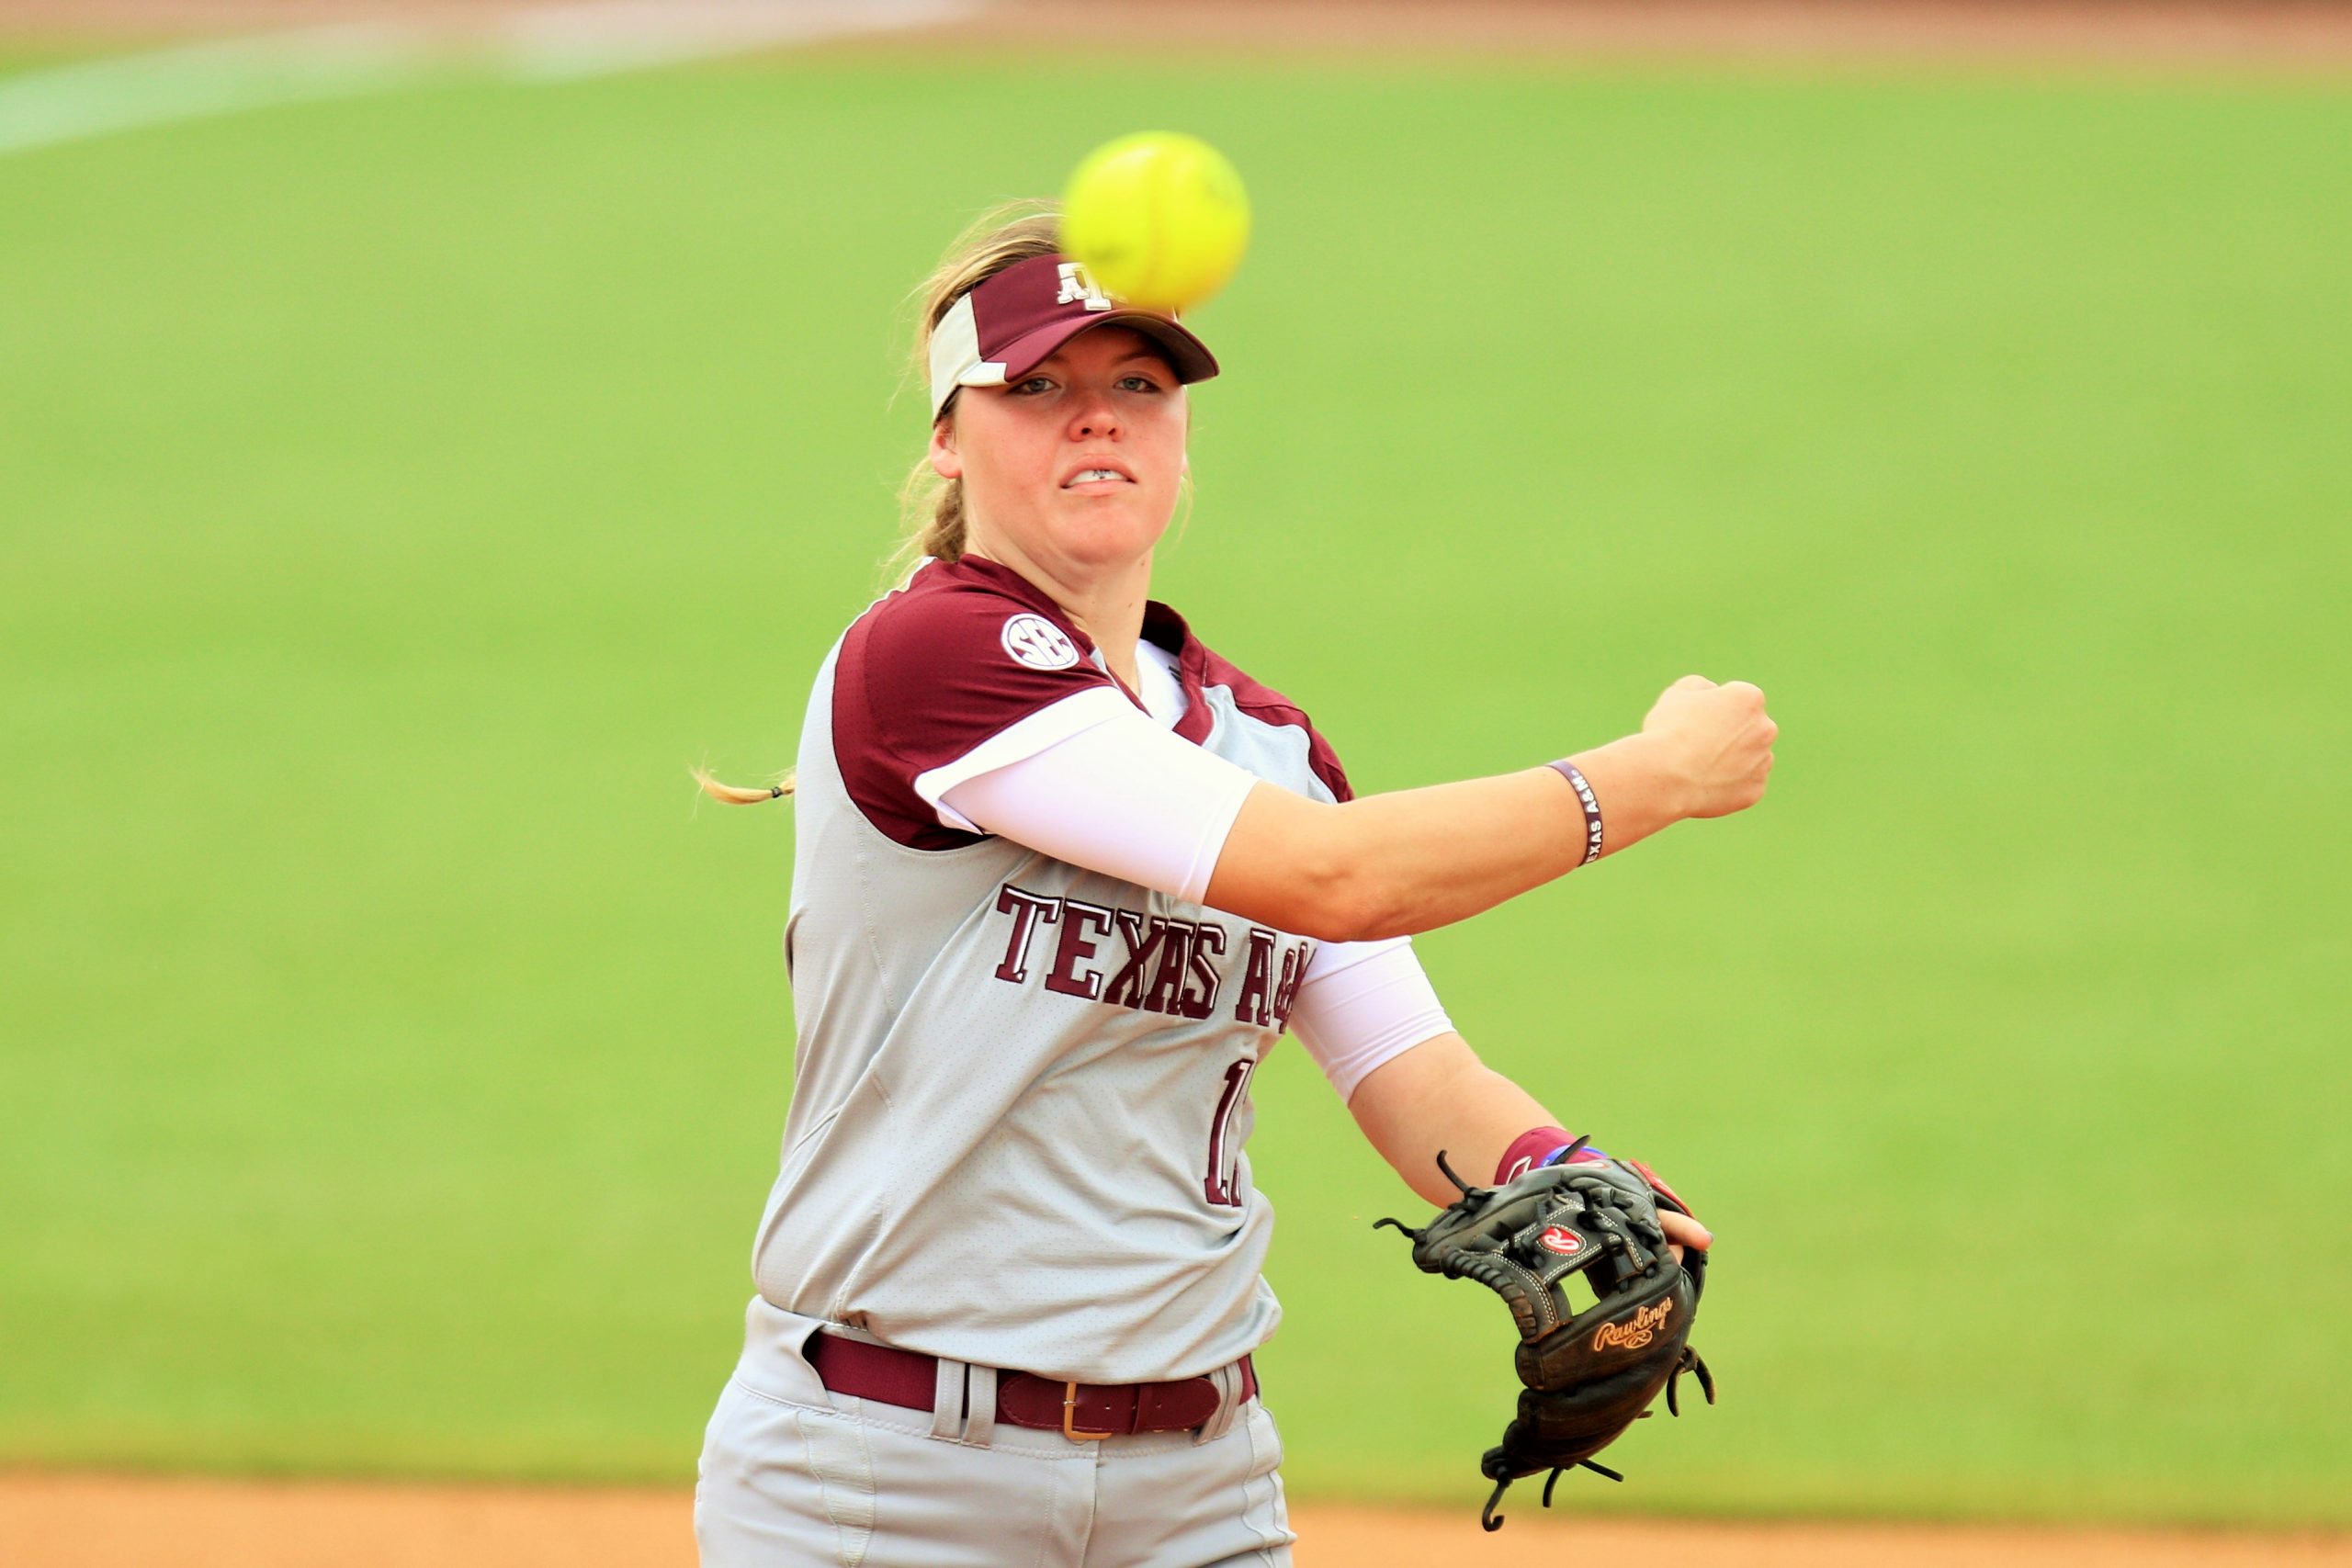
(1560, 1239)
(1038, 643)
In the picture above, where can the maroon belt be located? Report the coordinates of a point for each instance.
(910, 1378)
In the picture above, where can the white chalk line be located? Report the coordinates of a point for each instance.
(594, 38)
(547, 44)
(67, 103)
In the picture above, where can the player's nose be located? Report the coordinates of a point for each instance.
(1095, 416)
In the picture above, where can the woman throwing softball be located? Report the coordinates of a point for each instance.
(1063, 877)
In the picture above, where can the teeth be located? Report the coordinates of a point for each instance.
(1092, 474)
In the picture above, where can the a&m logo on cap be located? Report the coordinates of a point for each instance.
(1038, 643)
(1077, 285)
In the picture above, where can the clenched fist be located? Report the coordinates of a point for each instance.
(1718, 738)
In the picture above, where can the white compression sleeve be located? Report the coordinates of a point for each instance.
(1049, 726)
(1122, 796)
(1363, 1003)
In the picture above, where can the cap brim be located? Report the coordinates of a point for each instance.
(1187, 355)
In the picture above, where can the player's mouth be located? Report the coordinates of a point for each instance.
(1098, 477)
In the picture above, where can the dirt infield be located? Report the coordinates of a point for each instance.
(82, 1522)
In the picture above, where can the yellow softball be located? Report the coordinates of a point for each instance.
(1159, 219)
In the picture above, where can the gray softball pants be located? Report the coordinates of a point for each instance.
(793, 1475)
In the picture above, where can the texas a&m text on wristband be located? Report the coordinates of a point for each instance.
(1591, 802)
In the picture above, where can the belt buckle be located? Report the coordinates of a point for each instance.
(1069, 1417)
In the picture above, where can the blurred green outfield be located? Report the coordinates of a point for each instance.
(400, 494)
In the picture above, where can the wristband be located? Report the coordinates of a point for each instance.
(1538, 1147)
(1591, 804)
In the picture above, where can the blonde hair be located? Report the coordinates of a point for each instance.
(932, 507)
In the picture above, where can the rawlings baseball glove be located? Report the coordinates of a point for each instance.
(1591, 1373)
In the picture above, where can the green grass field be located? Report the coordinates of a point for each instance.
(400, 494)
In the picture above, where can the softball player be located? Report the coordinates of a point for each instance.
(1063, 877)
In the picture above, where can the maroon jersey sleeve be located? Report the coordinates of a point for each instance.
(937, 671)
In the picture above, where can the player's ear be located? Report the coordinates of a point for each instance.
(945, 460)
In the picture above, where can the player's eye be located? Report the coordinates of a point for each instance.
(1139, 383)
(1034, 385)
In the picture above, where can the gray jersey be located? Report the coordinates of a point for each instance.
(1021, 1088)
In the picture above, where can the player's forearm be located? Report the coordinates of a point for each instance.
(1426, 858)
(1398, 865)
(1410, 861)
(1440, 1097)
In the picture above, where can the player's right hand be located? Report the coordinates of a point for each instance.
(1682, 1231)
(1718, 740)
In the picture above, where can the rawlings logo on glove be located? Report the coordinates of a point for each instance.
(1634, 1332)
(1591, 1374)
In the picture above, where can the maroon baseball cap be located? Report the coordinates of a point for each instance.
(1011, 322)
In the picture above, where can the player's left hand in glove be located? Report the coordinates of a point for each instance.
(1588, 1374)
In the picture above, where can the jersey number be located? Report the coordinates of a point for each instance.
(1225, 1161)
